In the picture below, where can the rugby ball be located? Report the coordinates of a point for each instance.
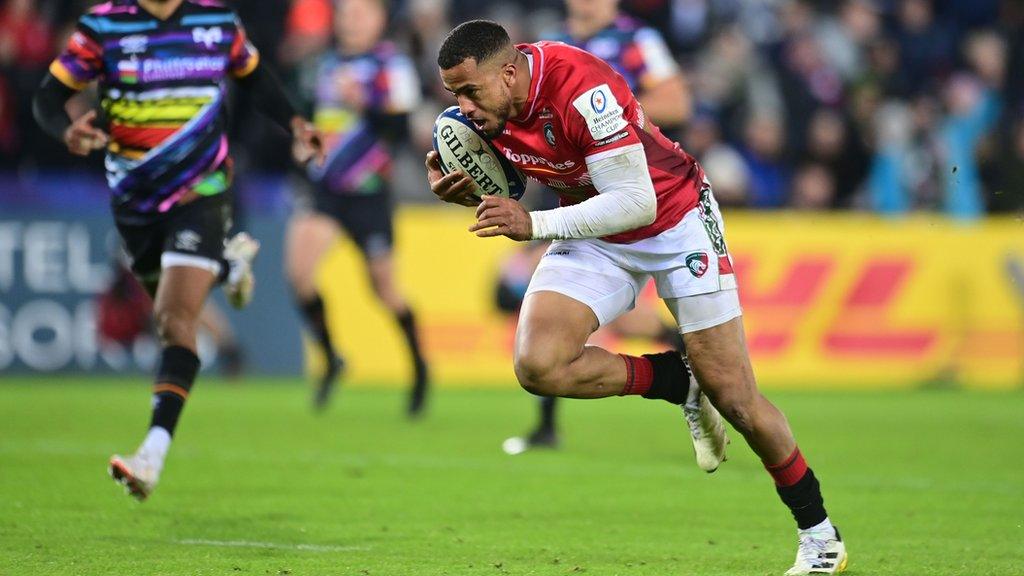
(461, 147)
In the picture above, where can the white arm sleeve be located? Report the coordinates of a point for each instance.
(625, 201)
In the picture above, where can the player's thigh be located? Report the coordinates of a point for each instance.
(183, 290)
(308, 238)
(712, 327)
(552, 330)
(573, 292)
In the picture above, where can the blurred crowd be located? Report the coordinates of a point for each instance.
(883, 105)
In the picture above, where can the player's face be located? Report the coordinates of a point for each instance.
(359, 24)
(483, 92)
(591, 9)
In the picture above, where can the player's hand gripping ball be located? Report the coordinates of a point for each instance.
(463, 152)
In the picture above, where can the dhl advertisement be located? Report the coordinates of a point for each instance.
(829, 301)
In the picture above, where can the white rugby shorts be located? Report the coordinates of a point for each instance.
(689, 263)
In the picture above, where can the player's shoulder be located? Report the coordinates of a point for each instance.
(560, 61)
(565, 68)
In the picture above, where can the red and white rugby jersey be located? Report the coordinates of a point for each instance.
(580, 109)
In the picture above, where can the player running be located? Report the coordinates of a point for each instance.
(635, 206)
(161, 67)
(362, 92)
(640, 55)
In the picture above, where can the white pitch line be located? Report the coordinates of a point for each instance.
(250, 544)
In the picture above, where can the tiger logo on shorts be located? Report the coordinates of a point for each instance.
(697, 263)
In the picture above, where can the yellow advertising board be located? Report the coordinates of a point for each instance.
(830, 300)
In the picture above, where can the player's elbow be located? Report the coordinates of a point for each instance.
(645, 209)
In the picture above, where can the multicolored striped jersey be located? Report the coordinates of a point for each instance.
(358, 159)
(161, 85)
(635, 51)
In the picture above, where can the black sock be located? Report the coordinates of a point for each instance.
(407, 322)
(671, 337)
(313, 312)
(671, 377)
(804, 500)
(174, 378)
(547, 413)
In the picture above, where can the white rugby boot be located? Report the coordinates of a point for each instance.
(240, 251)
(138, 473)
(821, 551)
(707, 428)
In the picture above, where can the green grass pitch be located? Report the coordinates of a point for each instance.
(921, 483)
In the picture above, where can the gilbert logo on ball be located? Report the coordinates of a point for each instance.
(462, 147)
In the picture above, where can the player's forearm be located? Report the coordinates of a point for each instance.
(48, 107)
(269, 96)
(625, 201)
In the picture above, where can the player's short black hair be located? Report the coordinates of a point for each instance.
(476, 39)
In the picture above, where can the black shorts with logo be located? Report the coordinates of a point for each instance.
(192, 234)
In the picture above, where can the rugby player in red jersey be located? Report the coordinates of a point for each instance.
(634, 206)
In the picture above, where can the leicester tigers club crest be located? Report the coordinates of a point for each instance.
(697, 263)
(549, 134)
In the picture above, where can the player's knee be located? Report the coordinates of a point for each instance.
(538, 373)
(175, 327)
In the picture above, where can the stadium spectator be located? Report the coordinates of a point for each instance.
(763, 151)
(836, 147)
(814, 188)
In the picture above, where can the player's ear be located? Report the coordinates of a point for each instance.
(509, 74)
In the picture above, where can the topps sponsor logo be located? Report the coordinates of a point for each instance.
(608, 141)
(530, 160)
(470, 161)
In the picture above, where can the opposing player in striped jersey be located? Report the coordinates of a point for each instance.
(635, 206)
(640, 55)
(161, 66)
(361, 92)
